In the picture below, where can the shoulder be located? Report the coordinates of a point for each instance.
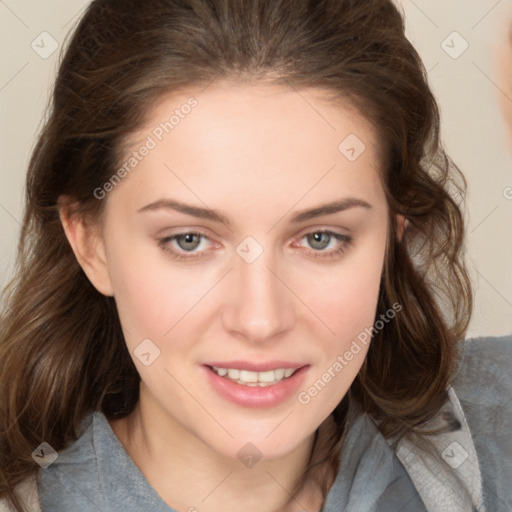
(31, 491)
(485, 354)
(73, 476)
(483, 381)
(483, 384)
(467, 467)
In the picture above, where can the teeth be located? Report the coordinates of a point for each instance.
(234, 374)
(247, 376)
(253, 379)
(270, 376)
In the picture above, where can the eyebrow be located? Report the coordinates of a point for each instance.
(301, 216)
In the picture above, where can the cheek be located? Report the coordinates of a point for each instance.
(345, 296)
(347, 305)
(151, 296)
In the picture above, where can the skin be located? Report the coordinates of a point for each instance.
(258, 154)
(503, 63)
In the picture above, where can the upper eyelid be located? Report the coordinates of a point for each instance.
(203, 231)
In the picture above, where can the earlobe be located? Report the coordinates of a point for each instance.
(89, 249)
(402, 224)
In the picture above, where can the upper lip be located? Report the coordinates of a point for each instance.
(255, 367)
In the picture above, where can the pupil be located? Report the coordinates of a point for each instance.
(317, 243)
(190, 238)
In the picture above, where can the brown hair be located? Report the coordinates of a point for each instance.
(123, 56)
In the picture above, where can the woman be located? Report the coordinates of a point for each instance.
(241, 280)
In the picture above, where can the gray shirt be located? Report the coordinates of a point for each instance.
(96, 474)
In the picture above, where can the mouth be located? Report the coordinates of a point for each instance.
(253, 378)
(251, 385)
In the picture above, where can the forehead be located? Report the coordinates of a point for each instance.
(258, 109)
(256, 141)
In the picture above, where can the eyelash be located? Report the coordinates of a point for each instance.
(345, 240)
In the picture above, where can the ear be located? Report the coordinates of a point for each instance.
(402, 224)
(87, 244)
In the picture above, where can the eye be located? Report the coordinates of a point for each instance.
(320, 240)
(182, 246)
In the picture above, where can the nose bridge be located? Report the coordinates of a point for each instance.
(260, 306)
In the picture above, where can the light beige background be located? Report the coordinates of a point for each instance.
(468, 87)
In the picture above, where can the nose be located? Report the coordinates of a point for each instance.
(260, 306)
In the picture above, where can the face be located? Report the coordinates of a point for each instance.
(214, 261)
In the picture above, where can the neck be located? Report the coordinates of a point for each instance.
(189, 476)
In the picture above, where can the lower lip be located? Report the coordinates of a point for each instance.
(256, 396)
